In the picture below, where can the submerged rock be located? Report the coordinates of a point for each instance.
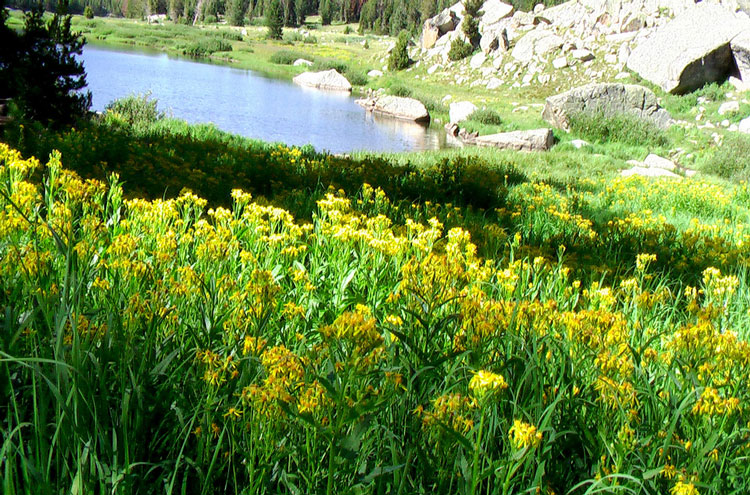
(396, 106)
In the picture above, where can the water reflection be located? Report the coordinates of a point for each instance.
(246, 103)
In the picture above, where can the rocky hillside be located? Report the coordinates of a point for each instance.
(675, 44)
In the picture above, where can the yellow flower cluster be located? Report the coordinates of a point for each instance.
(524, 435)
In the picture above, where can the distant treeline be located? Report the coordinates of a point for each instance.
(379, 16)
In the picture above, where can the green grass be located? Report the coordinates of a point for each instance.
(179, 347)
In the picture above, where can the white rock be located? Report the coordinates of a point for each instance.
(494, 11)
(622, 75)
(527, 78)
(560, 62)
(738, 84)
(537, 42)
(610, 58)
(579, 143)
(744, 126)
(302, 61)
(729, 107)
(432, 69)
(446, 98)
(655, 161)
(327, 79)
(460, 111)
(477, 60)
(375, 73)
(538, 8)
(494, 83)
(582, 55)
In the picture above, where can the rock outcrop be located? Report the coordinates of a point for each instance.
(538, 42)
(396, 106)
(494, 11)
(435, 27)
(606, 98)
(533, 140)
(691, 50)
(327, 79)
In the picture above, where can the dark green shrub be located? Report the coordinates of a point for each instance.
(620, 128)
(356, 77)
(210, 19)
(206, 47)
(399, 58)
(433, 106)
(732, 159)
(230, 35)
(88, 12)
(459, 50)
(399, 90)
(329, 63)
(285, 57)
(486, 116)
(134, 110)
(294, 37)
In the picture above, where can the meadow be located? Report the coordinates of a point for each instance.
(459, 325)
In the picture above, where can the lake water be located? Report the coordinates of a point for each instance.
(246, 103)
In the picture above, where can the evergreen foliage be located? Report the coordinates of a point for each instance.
(39, 69)
(399, 58)
(236, 12)
(274, 20)
(471, 21)
(326, 12)
(88, 12)
(459, 49)
(301, 10)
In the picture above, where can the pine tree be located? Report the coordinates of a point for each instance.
(274, 20)
(399, 58)
(40, 69)
(326, 12)
(300, 8)
(471, 21)
(236, 12)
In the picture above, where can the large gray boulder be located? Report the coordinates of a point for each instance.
(537, 42)
(435, 27)
(691, 50)
(495, 37)
(327, 79)
(494, 11)
(534, 140)
(740, 46)
(460, 111)
(396, 106)
(606, 98)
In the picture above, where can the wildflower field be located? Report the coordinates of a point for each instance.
(595, 342)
